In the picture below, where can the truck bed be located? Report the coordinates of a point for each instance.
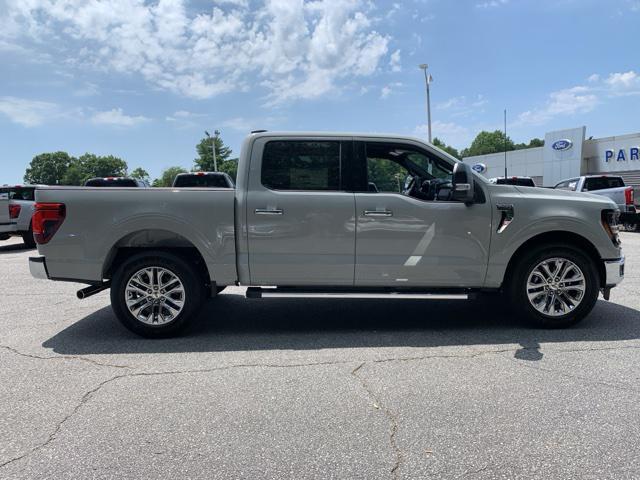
(100, 220)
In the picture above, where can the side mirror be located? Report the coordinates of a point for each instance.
(463, 189)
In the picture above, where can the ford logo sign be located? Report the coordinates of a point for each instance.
(479, 167)
(562, 145)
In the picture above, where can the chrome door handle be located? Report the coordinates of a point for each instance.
(269, 211)
(378, 213)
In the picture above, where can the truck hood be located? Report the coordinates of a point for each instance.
(554, 194)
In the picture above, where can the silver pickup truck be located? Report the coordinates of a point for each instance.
(331, 216)
(16, 208)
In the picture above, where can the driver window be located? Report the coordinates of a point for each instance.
(403, 169)
(385, 175)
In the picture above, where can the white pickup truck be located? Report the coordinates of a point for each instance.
(332, 216)
(17, 204)
(609, 186)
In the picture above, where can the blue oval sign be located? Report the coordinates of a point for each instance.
(479, 167)
(561, 145)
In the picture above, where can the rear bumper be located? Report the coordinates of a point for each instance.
(9, 228)
(614, 270)
(38, 268)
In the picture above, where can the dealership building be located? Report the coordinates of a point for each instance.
(567, 154)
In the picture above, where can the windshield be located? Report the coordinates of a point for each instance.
(205, 181)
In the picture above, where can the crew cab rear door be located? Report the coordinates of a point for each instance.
(300, 217)
(405, 241)
(4, 206)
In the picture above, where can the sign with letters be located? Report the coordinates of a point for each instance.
(622, 155)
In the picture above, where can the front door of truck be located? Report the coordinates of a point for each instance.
(407, 238)
(300, 219)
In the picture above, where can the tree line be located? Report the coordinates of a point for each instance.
(60, 168)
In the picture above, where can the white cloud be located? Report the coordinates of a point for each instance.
(450, 133)
(569, 101)
(395, 62)
(29, 113)
(461, 106)
(593, 78)
(294, 49)
(389, 89)
(625, 83)
(492, 4)
(116, 117)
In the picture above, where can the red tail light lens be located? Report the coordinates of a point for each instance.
(46, 221)
(14, 211)
(628, 196)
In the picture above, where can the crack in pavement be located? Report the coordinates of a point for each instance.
(62, 357)
(391, 417)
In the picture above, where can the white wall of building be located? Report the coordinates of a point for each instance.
(547, 166)
(523, 163)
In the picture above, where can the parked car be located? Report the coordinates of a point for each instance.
(304, 222)
(203, 180)
(520, 181)
(612, 187)
(116, 182)
(16, 209)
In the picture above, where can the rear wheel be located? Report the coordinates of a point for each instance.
(554, 286)
(156, 294)
(27, 238)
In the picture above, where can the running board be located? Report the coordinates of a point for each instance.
(258, 292)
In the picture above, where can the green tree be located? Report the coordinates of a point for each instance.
(140, 173)
(48, 168)
(204, 162)
(447, 148)
(97, 166)
(74, 174)
(534, 142)
(167, 176)
(488, 142)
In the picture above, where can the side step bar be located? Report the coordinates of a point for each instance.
(258, 292)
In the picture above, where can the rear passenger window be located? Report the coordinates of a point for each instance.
(301, 165)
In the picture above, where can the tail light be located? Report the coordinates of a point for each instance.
(14, 211)
(610, 224)
(628, 196)
(46, 221)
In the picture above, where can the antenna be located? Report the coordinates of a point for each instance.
(505, 143)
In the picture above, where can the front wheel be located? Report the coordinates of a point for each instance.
(554, 286)
(156, 294)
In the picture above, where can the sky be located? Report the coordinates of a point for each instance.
(143, 80)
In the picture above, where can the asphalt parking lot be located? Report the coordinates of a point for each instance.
(301, 389)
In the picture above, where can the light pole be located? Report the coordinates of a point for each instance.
(427, 80)
(213, 148)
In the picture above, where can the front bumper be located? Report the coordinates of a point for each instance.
(614, 271)
(38, 268)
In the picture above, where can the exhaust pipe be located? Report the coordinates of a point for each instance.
(92, 290)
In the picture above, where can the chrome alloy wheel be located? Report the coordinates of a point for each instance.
(154, 295)
(556, 286)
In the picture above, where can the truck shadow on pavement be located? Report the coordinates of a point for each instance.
(234, 323)
(14, 247)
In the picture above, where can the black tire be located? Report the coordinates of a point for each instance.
(192, 284)
(517, 286)
(630, 227)
(27, 238)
